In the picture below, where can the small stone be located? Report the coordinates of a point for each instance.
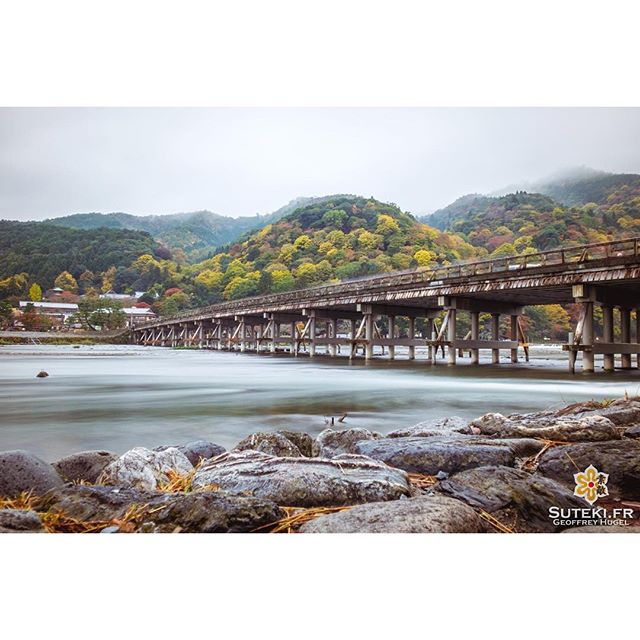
(42, 374)
(19, 521)
(439, 427)
(144, 469)
(112, 529)
(633, 432)
(332, 442)
(86, 465)
(196, 451)
(441, 475)
(22, 471)
(272, 443)
(302, 440)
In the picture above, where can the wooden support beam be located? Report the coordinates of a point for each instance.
(451, 335)
(391, 334)
(480, 305)
(332, 314)
(495, 335)
(397, 310)
(475, 334)
(625, 335)
(607, 336)
(514, 337)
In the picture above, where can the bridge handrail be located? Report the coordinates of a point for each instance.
(578, 254)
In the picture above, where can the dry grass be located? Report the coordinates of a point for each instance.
(421, 480)
(531, 464)
(296, 516)
(495, 523)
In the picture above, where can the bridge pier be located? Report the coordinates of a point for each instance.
(475, 335)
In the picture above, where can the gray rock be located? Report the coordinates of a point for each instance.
(302, 440)
(633, 432)
(436, 514)
(19, 521)
(625, 413)
(439, 427)
(303, 482)
(272, 443)
(22, 471)
(144, 469)
(194, 512)
(547, 426)
(42, 374)
(332, 442)
(199, 450)
(448, 454)
(620, 459)
(86, 465)
(517, 498)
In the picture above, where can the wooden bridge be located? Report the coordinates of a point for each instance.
(372, 316)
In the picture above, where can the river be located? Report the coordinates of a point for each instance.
(117, 397)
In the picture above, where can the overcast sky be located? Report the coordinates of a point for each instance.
(239, 162)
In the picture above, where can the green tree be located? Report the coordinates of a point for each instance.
(67, 282)
(100, 314)
(35, 292)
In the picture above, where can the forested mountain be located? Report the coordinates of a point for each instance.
(196, 233)
(339, 238)
(44, 250)
(525, 222)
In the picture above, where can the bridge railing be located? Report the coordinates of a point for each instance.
(580, 254)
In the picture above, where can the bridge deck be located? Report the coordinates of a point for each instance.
(604, 273)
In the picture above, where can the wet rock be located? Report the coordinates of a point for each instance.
(434, 514)
(197, 450)
(548, 427)
(516, 498)
(447, 453)
(195, 512)
(144, 469)
(302, 440)
(303, 482)
(19, 521)
(42, 374)
(86, 465)
(624, 413)
(331, 442)
(439, 427)
(619, 458)
(22, 471)
(272, 443)
(633, 432)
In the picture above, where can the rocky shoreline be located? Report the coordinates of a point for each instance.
(494, 474)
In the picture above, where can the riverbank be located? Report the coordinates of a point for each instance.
(575, 469)
(59, 338)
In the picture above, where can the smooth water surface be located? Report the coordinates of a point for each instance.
(118, 397)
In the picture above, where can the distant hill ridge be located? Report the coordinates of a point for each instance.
(197, 233)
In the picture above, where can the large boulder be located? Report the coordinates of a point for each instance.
(620, 459)
(22, 471)
(547, 426)
(19, 521)
(197, 450)
(86, 465)
(144, 469)
(195, 512)
(303, 482)
(449, 454)
(516, 498)
(270, 442)
(438, 427)
(428, 514)
(331, 442)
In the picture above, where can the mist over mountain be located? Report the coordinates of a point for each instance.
(196, 233)
(576, 206)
